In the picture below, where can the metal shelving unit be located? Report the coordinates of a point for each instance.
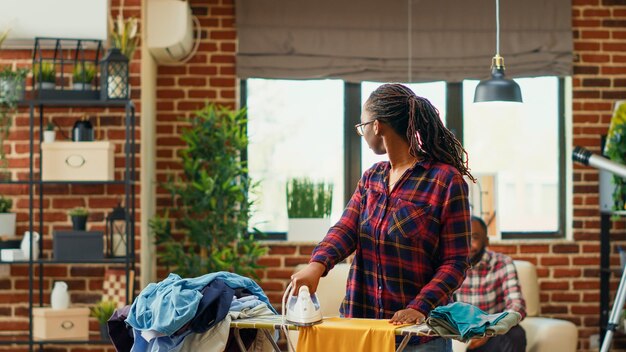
(128, 180)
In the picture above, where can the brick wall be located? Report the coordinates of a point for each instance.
(568, 271)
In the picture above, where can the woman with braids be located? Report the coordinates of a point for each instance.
(408, 221)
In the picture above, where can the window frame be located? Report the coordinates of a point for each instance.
(454, 121)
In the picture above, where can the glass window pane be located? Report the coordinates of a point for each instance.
(435, 92)
(295, 130)
(519, 144)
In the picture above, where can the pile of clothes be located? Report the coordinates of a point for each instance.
(463, 321)
(178, 315)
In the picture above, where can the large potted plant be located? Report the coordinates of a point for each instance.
(308, 208)
(209, 200)
(7, 219)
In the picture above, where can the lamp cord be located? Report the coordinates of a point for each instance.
(410, 44)
(497, 27)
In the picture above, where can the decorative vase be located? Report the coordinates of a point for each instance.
(81, 86)
(79, 223)
(7, 225)
(307, 229)
(60, 298)
(104, 332)
(48, 85)
(26, 244)
(49, 136)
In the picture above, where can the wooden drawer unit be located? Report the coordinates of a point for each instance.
(61, 324)
(77, 161)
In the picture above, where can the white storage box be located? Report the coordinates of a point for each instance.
(77, 161)
(61, 324)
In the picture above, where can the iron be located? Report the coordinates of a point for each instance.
(303, 309)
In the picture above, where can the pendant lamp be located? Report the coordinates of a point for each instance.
(497, 88)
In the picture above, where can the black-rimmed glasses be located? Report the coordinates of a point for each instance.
(360, 127)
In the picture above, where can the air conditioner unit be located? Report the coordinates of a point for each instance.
(170, 30)
(27, 19)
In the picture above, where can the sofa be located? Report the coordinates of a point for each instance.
(542, 334)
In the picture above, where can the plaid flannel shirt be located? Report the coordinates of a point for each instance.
(411, 244)
(492, 285)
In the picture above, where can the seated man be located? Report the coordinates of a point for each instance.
(491, 284)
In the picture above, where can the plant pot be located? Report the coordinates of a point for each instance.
(49, 136)
(104, 332)
(47, 85)
(81, 86)
(7, 224)
(79, 223)
(307, 230)
(12, 89)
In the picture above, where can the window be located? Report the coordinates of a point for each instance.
(519, 144)
(295, 130)
(300, 128)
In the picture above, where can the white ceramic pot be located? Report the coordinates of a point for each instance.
(307, 230)
(60, 298)
(81, 86)
(49, 136)
(26, 244)
(48, 85)
(7, 224)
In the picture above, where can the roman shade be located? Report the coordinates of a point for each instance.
(358, 40)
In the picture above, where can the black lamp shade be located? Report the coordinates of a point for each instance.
(114, 78)
(498, 88)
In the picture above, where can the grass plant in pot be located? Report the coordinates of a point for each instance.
(7, 218)
(102, 311)
(308, 208)
(45, 75)
(205, 227)
(83, 76)
(79, 217)
(49, 135)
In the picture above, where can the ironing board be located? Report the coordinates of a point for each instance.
(269, 323)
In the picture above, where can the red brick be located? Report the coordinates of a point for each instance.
(282, 250)
(554, 261)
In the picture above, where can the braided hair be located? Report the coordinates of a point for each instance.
(416, 119)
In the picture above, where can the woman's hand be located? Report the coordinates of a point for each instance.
(309, 276)
(407, 316)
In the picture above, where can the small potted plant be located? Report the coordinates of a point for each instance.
(7, 219)
(308, 208)
(79, 218)
(102, 311)
(49, 134)
(45, 75)
(83, 75)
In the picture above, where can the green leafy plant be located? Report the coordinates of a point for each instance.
(209, 200)
(84, 72)
(308, 199)
(44, 72)
(5, 204)
(50, 126)
(103, 310)
(78, 211)
(124, 34)
(616, 151)
(11, 91)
